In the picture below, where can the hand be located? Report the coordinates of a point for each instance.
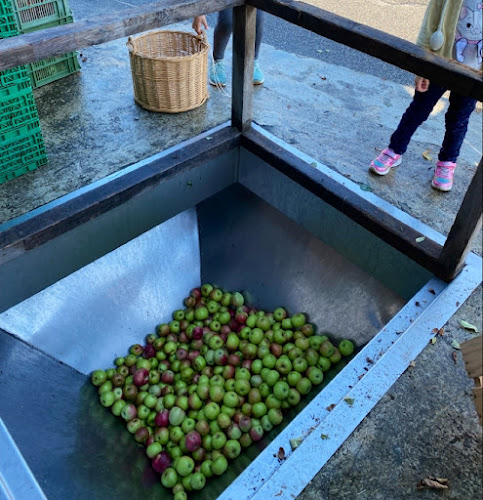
(198, 23)
(421, 84)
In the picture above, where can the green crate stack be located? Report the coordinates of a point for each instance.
(21, 143)
(33, 15)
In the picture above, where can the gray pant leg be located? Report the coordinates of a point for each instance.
(224, 28)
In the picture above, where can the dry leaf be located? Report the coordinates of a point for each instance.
(365, 187)
(468, 326)
(208, 138)
(281, 454)
(435, 330)
(331, 407)
(279, 493)
(455, 344)
(432, 291)
(455, 357)
(441, 332)
(433, 340)
(434, 483)
(323, 77)
(412, 364)
(349, 401)
(324, 436)
(295, 443)
(420, 239)
(427, 156)
(314, 164)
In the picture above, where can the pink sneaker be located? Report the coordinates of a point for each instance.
(443, 175)
(385, 161)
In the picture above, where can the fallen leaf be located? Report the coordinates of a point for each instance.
(279, 493)
(319, 51)
(434, 483)
(435, 330)
(314, 164)
(281, 454)
(427, 156)
(432, 291)
(349, 401)
(365, 187)
(468, 326)
(455, 357)
(455, 344)
(441, 332)
(327, 50)
(369, 360)
(433, 340)
(295, 443)
(323, 77)
(360, 376)
(412, 364)
(420, 239)
(324, 436)
(331, 407)
(209, 138)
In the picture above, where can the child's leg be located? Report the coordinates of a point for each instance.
(418, 112)
(457, 117)
(259, 33)
(223, 29)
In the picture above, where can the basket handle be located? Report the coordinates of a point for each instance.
(130, 45)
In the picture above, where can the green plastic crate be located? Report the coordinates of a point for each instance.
(54, 68)
(8, 26)
(32, 15)
(21, 150)
(18, 111)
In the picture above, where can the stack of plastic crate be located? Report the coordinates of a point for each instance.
(32, 15)
(21, 143)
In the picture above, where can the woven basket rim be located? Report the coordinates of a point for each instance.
(132, 49)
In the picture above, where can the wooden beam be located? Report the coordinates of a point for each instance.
(377, 43)
(244, 28)
(369, 215)
(56, 41)
(466, 227)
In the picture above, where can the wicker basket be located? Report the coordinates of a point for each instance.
(169, 70)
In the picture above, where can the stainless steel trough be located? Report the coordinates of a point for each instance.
(92, 273)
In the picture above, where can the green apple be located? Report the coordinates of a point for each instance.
(346, 347)
(279, 314)
(315, 375)
(198, 481)
(257, 366)
(212, 410)
(231, 449)
(272, 377)
(298, 320)
(259, 409)
(335, 357)
(169, 478)
(300, 365)
(283, 365)
(327, 349)
(256, 336)
(185, 466)
(218, 440)
(275, 416)
(206, 468)
(280, 390)
(230, 398)
(219, 466)
(293, 378)
(287, 324)
(304, 386)
(293, 397)
(242, 387)
(269, 361)
(271, 401)
(98, 377)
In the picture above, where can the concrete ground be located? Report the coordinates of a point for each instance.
(317, 98)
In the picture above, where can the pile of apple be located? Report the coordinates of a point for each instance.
(212, 382)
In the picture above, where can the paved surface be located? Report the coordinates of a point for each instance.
(322, 103)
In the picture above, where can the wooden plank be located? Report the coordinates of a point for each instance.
(84, 33)
(31, 232)
(472, 351)
(244, 28)
(377, 43)
(367, 214)
(466, 227)
(478, 395)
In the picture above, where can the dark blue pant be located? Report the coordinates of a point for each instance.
(224, 28)
(456, 119)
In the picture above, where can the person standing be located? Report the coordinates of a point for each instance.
(452, 29)
(223, 31)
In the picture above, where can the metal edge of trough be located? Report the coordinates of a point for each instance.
(330, 418)
(16, 478)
